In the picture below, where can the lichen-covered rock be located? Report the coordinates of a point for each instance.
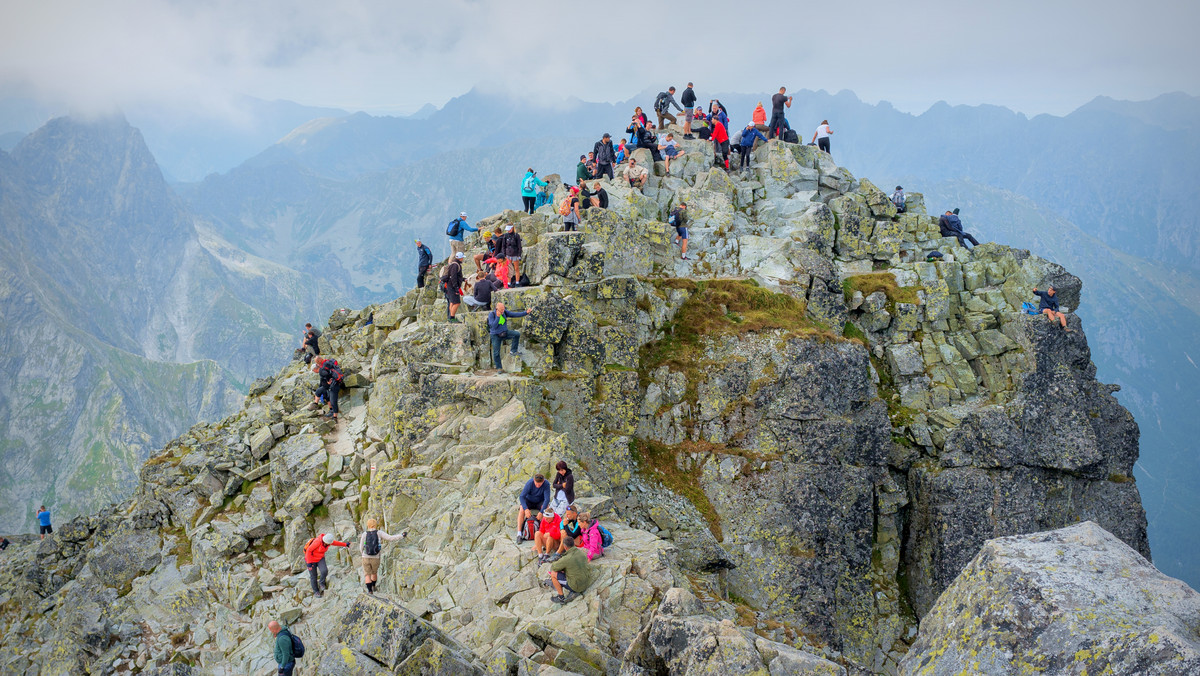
(1070, 601)
(296, 461)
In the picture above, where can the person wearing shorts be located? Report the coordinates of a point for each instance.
(678, 218)
(44, 527)
(370, 562)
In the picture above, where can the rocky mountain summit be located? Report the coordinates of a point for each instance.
(799, 440)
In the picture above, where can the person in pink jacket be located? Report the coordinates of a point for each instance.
(590, 541)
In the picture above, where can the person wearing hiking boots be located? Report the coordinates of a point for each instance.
(951, 226)
(669, 149)
(899, 200)
(455, 231)
(591, 541)
(746, 146)
(529, 189)
(821, 135)
(424, 260)
(498, 328)
(370, 546)
(545, 541)
(778, 101)
(720, 140)
(606, 156)
(44, 526)
(534, 497)
(564, 480)
(570, 575)
(452, 281)
(285, 656)
(635, 174)
(1049, 307)
(688, 100)
(481, 294)
(314, 560)
(512, 247)
(331, 377)
(678, 218)
(662, 106)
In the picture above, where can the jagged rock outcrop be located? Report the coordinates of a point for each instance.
(798, 439)
(1076, 600)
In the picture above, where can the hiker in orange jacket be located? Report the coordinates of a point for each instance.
(314, 558)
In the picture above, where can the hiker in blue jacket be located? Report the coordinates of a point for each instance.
(534, 498)
(455, 231)
(749, 135)
(424, 260)
(1049, 307)
(498, 327)
(950, 226)
(529, 189)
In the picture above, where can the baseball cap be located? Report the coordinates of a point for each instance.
(508, 228)
(462, 214)
(458, 254)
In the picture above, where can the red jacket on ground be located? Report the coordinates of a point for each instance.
(315, 549)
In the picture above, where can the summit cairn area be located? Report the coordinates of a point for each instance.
(798, 438)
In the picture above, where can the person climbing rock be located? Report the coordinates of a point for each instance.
(569, 528)
(498, 328)
(530, 185)
(635, 174)
(570, 575)
(534, 497)
(899, 200)
(545, 541)
(606, 156)
(1049, 307)
(662, 106)
(776, 126)
(951, 226)
(720, 140)
(452, 281)
(455, 231)
(481, 293)
(312, 346)
(746, 145)
(592, 542)
(511, 245)
(331, 377)
(491, 243)
(564, 480)
(314, 559)
(821, 135)
(370, 546)
(759, 117)
(44, 526)
(424, 260)
(285, 656)
(678, 219)
(688, 100)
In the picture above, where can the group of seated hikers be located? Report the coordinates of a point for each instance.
(562, 536)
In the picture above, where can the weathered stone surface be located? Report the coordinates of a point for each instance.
(389, 634)
(296, 461)
(1075, 600)
(261, 443)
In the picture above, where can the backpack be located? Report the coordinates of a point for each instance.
(335, 371)
(530, 529)
(673, 219)
(297, 646)
(606, 538)
(790, 136)
(371, 545)
(527, 184)
(1030, 309)
(454, 228)
(660, 103)
(704, 133)
(564, 207)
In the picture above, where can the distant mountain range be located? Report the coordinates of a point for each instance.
(1105, 190)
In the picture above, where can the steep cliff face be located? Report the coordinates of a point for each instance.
(799, 438)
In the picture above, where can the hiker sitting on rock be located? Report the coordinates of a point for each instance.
(596, 198)
(669, 149)
(546, 539)
(370, 546)
(314, 559)
(645, 139)
(492, 242)
(591, 541)
(950, 226)
(498, 328)
(622, 152)
(899, 200)
(535, 497)
(1049, 306)
(481, 294)
(570, 575)
(635, 174)
(569, 528)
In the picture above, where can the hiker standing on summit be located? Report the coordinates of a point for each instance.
(452, 281)
(778, 101)
(821, 135)
(44, 526)
(529, 189)
(606, 156)
(370, 547)
(688, 99)
(662, 106)
(424, 260)
(455, 231)
(512, 247)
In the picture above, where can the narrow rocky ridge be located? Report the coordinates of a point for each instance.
(799, 439)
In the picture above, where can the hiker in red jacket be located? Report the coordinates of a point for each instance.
(314, 558)
(720, 139)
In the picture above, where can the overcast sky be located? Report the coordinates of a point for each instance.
(396, 55)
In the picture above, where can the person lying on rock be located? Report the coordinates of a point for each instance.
(546, 540)
(569, 528)
(590, 539)
(314, 559)
(534, 498)
(370, 546)
(570, 575)
(1049, 307)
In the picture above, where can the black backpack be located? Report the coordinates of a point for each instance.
(660, 103)
(371, 545)
(453, 229)
(297, 645)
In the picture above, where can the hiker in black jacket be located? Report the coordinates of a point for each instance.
(688, 99)
(452, 281)
(645, 138)
(424, 260)
(330, 375)
(312, 345)
(951, 226)
(512, 247)
(606, 157)
(662, 106)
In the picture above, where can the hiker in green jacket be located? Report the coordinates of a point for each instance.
(570, 574)
(283, 648)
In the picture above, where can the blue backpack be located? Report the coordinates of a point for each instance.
(527, 185)
(606, 538)
(453, 229)
(1030, 309)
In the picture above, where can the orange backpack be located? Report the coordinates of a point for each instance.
(564, 207)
